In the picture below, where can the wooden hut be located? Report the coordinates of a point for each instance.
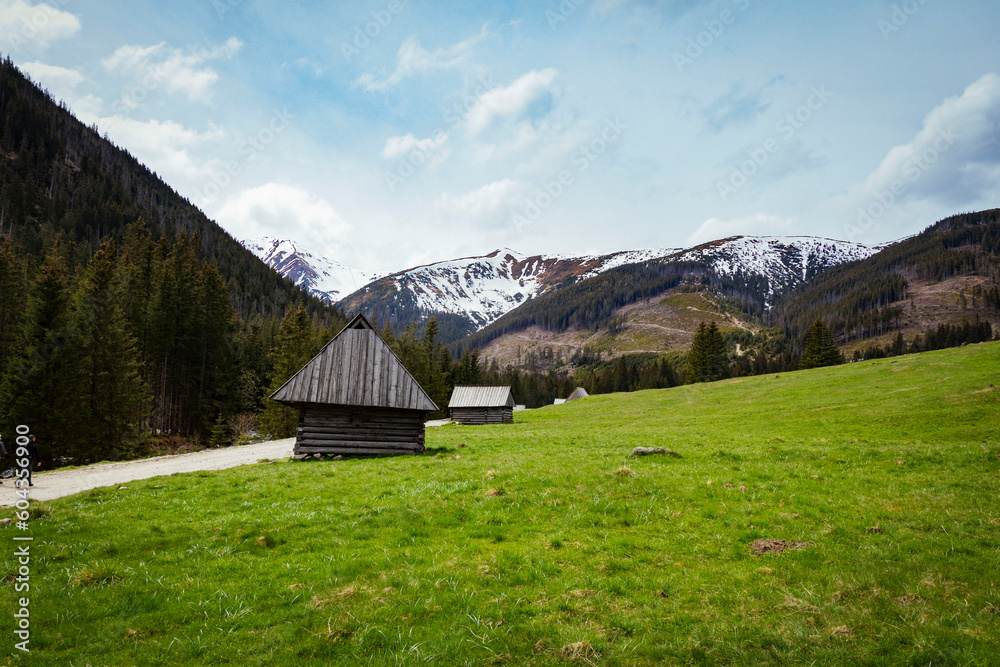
(355, 397)
(579, 392)
(482, 405)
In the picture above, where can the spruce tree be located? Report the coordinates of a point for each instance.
(36, 388)
(820, 350)
(718, 357)
(698, 356)
(708, 359)
(220, 433)
(105, 354)
(13, 293)
(294, 346)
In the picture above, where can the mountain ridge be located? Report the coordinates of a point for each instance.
(471, 293)
(320, 276)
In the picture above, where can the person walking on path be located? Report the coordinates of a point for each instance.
(33, 457)
(3, 450)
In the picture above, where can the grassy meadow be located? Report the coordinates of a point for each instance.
(540, 543)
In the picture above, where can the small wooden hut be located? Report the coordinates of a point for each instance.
(579, 392)
(356, 398)
(482, 405)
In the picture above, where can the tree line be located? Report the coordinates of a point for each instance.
(140, 344)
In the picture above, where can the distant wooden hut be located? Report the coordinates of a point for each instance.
(355, 397)
(482, 405)
(579, 392)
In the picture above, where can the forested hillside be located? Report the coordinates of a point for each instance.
(125, 313)
(936, 289)
(61, 181)
(959, 257)
(593, 302)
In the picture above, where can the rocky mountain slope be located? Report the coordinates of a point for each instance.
(471, 293)
(784, 262)
(945, 276)
(321, 276)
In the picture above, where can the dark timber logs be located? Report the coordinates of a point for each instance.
(482, 405)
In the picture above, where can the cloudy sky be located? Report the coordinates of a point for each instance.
(390, 133)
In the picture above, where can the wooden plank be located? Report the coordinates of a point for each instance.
(345, 418)
(339, 395)
(357, 369)
(360, 437)
(331, 363)
(328, 434)
(345, 427)
(313, 381)
(356, 451)
(378, 382)
(323, 373)
(369, 378)
(383, 446)
(395, 372)
(375, 444)
(358, 366)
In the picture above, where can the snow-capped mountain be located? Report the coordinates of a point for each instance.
(476, 291)
(785, 261)
(470, 293)
(481, 289)
(320, 276)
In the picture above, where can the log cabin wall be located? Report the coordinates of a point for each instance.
(481, 416)
(358, 431)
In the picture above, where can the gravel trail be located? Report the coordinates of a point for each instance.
(51, 485)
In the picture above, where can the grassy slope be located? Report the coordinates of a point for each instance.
(521, 544)
(665, 323)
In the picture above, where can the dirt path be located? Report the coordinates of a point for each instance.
(50, 485)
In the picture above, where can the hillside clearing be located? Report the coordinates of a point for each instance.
(826, 516)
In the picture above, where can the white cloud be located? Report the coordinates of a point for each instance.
(760, 224)
(956, 155)
(283, 211)
(169, 149)
(401, 146)
(414, 59)
(175, 70)
(509, 101)
(484, 203)
(26, 27)
(59, 81)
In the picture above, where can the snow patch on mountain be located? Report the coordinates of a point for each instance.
(785, 261)
(483, 289)
(320, 276)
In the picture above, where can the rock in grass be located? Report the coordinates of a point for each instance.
(649, 451)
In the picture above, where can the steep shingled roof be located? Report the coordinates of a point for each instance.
(356, 368)
(481, 397)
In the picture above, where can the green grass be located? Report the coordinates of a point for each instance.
(540, 543)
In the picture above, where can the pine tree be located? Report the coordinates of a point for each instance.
(294, 346)
(13, 293)
(104, 352)
(820, 350)
(438, 365)
(717, 354)
(708, 359)
(220, 433)
(36, 389)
